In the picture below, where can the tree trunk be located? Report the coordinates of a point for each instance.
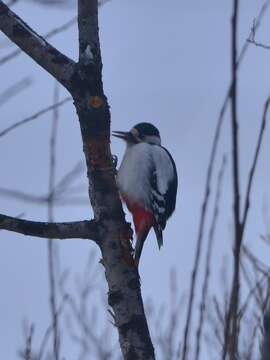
(109, 228)
(124, 294)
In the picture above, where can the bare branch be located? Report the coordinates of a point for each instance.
(88, 31)
(94, 116)
(69, 230)
(47, 36)
(20, 195)
(50, 243)
(27, 353)
(59, 200)
(89, 46)
(258, 44)
(15, 89)
(232, 325)
(63, 192)
(251, 38)
(50, 327)
(57, 64)
(255, 161)
(207, 191)
(34, 116)
(204, 295)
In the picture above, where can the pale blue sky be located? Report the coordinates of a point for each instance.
(166, 63)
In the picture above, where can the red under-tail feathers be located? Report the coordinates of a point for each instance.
(143, 221)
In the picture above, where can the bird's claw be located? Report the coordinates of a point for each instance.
(115, 162)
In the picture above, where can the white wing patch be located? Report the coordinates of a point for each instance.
(164, 168)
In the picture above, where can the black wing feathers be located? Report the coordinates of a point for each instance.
(163, 205)
(170, 196)
(158, 202)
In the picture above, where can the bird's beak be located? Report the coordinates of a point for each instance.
(124, 135)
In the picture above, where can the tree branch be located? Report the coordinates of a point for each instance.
(254, 163)
(124, 295)
(88, 28)
(34, 116)
(207, 271)
(232, 327)
(69, 230)
(57, 64)
(89, 46)
(15, 89)
(46, 36)
(207, 191)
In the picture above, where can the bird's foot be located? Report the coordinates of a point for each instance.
(126, 237)
(115, 162)
(129, 260)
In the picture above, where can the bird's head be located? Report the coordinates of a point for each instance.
(142, 132)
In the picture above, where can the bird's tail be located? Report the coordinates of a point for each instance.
(141, 236)
(159, 235)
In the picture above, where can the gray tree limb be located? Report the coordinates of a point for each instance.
(122, 276)
(34, 116)
(69, 230)
(46, 36)
(52, 60)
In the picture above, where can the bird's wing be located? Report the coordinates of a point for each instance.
(163, 185)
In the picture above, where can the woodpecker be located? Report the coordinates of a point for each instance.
(147, 182)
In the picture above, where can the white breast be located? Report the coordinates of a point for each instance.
(135, 172)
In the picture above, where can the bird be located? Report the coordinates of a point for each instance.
(147, 182)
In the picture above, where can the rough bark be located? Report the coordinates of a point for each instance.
(84, 81)
(93, 111)
(68, 230)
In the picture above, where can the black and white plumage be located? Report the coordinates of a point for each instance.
(147, 181)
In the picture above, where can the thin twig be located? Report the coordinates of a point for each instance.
(27, 354)
(15, 89)
(208, 189)
(232, 325)
(47, 36)
(204, 295)
(258, 44)
(60, 199)
(251, 38)
(34, 116)
(44, 54)
(51, 245)
(50, 328)
(254, 163)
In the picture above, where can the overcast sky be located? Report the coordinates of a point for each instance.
(165, 62)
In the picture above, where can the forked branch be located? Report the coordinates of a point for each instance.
(52, 60)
